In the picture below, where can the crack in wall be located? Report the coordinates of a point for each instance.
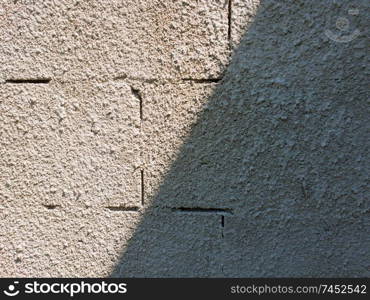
(50, 206)
(137, 94)
(142, 188)
(203, 80)
(229, 17)
(223, 211)
(123, 208)
(29, 81)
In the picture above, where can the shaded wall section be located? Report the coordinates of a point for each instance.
(273, 176)
(184, 138)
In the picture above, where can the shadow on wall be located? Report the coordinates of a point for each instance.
(272, 179)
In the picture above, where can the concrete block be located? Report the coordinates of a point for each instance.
(308, 246)
(72, 41)
(242, 16)
(69, 145)
(174, 175)
(63, 242)
(159, 249)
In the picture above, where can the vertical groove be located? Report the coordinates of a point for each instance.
(229, 15)
(222, 237)
(137, 94)
(142, 188)
(222, 225)
(141, 108)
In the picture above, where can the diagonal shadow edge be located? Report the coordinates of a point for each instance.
(271, 181)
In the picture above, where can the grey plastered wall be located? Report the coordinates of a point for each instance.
(184, 138)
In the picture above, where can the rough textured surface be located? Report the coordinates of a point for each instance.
(173, 244)
(70, 145)
(147, 155)
(173, 109)
(79, 40)
(297, 245)
(62, 242)
(282, 143)
(242, 15)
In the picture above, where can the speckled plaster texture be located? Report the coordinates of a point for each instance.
(184, 138)
(70, 145)
(72, 242)
(96, 39)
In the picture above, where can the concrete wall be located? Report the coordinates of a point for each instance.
(184, 138)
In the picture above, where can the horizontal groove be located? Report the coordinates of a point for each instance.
(204, 80)
(168, 80)
(203, 210)
(50, 206)
(122, 77)
(29, 81)
(123, 208)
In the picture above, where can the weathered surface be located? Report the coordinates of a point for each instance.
(282, 142)
(143, 156)
(170, 112)
(242, 15)
(173, 244)
(79, 40)
(306, 245)
(62, 242)
(70, 145)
